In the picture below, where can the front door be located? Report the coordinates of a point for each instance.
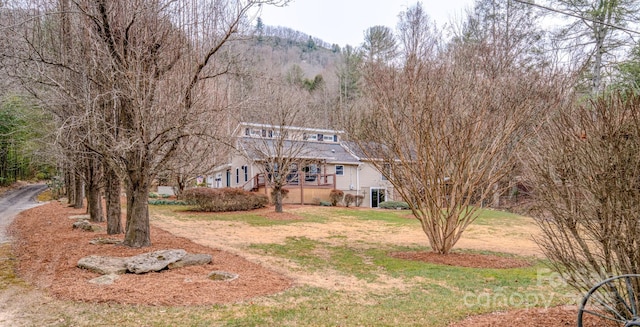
(377, 196)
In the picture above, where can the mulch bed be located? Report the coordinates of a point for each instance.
(48, 250)
(463, 259)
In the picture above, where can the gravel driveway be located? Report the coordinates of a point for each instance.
(15, 201)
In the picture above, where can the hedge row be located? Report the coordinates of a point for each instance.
(224, 199)
(394, 205)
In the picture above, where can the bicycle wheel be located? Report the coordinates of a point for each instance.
(612, 302)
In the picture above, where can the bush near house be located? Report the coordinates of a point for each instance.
(349, 199)
(394, 205)
(336, 197)
(224, 199)
(359, 199)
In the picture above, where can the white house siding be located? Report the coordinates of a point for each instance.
(373, 180)
(347, 181)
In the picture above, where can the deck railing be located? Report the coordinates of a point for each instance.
(293, 180)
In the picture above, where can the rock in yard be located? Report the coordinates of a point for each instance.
(105, 279)
(191, 260)
(103, 265)
(79, 217)
(101, 240)
(86, 226)
(154, 261)
(219, 275)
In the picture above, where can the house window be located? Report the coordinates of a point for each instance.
(247, 132)
(264, 133)
(340, 170)
(320, 137)
(237, 175)
(245, 169)
(386, 168)
(270, 133)
(335, 138)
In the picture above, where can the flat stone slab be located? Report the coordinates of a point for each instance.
(191, 260)
(77, 217)
(105, 279)
(103, 265)
(154, 261)
(100, 240)
(219, 275)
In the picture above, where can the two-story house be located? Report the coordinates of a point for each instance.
(318, 161)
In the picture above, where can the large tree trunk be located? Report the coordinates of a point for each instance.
(79, 191)
(277, 198)
(70, 185)
(112, 196)
(137, 232)
(94, 200)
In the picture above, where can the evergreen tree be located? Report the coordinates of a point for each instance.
(379, 44)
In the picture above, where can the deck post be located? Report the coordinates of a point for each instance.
(301, 182)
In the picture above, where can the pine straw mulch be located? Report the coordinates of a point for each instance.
(470, 260)
(48, 250)
(552, 317)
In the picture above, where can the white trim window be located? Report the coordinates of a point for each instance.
(339, 170)
(387, 169)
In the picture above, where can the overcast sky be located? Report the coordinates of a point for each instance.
(344, 21)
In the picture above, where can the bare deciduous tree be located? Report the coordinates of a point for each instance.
(585, 170)
(444, 131)
(141, 70)
(282, 153)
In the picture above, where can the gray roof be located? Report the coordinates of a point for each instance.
(258, 148)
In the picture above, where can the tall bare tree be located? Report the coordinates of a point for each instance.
(444, 132)
(595, 32)
(281, 154)
(149, 62)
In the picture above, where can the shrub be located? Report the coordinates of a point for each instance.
(394, 205)
(153, 195)
(359, 199)
(336, 197)
(224, 199)
(349, 199)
